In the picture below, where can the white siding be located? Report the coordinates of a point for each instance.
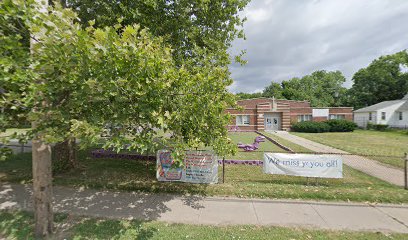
(395, 122)
(391, 115)
(361, 119)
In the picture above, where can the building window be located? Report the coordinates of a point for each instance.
(337, 116)
(242, 120)
(383, 116)
(370, 116)
(400, 117)
(302, 118)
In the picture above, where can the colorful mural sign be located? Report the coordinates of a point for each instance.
(306, 165)
(199, 167)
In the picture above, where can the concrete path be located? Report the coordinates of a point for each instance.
(215, 211)
(363, 164)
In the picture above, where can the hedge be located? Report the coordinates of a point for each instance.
(326, 126)
(378, 127)
(311, 127)
(341, 125)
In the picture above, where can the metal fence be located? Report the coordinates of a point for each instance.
(390, 169)
(17, 147)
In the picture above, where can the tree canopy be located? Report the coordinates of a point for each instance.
(386, 78)
(139, 77)
(273, 90)
(321, 88)
(242, 95)
(189, 26)
(120, 76)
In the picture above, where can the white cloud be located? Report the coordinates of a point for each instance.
(294, 38)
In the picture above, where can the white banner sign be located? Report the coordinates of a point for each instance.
(306, 165)
(199, 167)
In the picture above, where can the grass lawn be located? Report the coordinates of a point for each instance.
(289, 144)
(19, 225)
(248, 138)
(390, 143)
(240, 181)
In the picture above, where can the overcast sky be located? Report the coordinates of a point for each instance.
(292, 38)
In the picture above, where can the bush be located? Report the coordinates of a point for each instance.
(341, 125)
(326, 126)
(311, 127)
(380, 127)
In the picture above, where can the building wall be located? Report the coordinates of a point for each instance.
(392, 116)
(346, 111)
(319, 119)
(394, 121)
(404, 122)
(362, 119)
(289, 110)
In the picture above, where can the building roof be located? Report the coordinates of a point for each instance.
(269, 98)
(405, 97)
(404, 107)
(379, 106)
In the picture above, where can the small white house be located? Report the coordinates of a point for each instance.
(392, 113)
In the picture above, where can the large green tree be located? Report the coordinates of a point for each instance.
(242, 95)
(273, 90)
(77, 81)
(321, 88)
(386, 78)
(187, 25)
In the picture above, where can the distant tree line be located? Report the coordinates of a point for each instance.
(386, 78)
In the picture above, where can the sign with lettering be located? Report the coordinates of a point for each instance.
(199, 167)
(306, 165)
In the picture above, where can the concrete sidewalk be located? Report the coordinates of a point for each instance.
(215, 211)
(363, 164)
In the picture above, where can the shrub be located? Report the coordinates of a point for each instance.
(311, 127)
(370, 126)
(341, 125)
(326, 126)
(380, 127)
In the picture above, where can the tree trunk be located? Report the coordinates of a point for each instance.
(42, 188)
(42, 176)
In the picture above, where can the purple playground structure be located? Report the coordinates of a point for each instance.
(252, 147)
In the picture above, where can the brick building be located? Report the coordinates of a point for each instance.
(277, 114)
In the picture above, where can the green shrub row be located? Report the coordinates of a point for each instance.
(326, 126)
(378, 127)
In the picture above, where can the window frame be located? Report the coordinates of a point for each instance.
(383, 116)
(337, 116)
(400, 116)
(304, 117)
(243, 120)
(370, 116)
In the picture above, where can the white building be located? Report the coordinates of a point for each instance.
(392, 113)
